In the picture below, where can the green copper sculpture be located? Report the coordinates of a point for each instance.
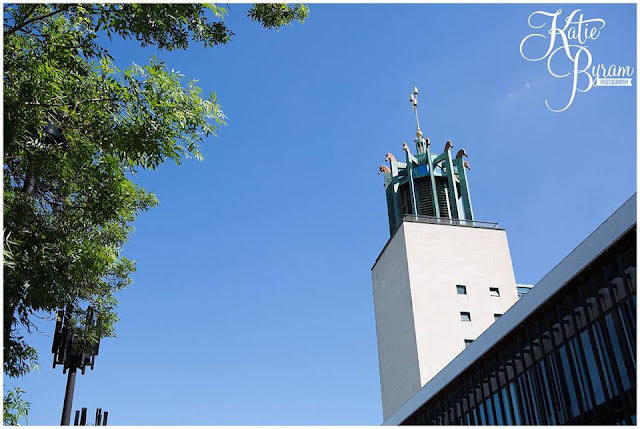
(426, 184)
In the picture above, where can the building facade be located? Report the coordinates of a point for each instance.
(564, 354)
(436, 288)
(460, 342)
(442, 278)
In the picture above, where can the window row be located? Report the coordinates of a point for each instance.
(462, 290)
(465, 316)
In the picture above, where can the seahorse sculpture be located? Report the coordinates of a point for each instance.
(448, 145)
(383, 169)
(466, 165)
(461, 153)
(390, 157)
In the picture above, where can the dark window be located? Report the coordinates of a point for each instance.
(462, 289)
(465, 316)
(497, 316)
(494, 291)
(467, 342)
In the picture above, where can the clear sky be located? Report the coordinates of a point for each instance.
(252, 303)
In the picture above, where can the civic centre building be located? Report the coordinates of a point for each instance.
(460, 343)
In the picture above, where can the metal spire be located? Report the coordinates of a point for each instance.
(413, 98)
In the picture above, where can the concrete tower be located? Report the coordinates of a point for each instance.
(442, 278)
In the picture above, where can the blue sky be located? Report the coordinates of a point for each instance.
(252, 303)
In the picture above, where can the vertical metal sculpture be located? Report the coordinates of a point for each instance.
(71, 350)
(81, 419)
(427, 184)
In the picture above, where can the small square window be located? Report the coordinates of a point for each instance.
(497, 316)
(494, 291)
(465, 316)
(462, 289)
(467, 342)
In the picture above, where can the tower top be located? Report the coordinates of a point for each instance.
(427, 184)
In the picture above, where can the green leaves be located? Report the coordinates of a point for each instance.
(276, 15)
(15, 407)
(69, 201)
(69, 204)
(166, 26)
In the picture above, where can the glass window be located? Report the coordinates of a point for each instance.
(465, 316)
(629, 329)
(620, 362)
(494, 291)
(524, 396)
(507, 409)
(489, 409)
(514, 400)
(467, 343)
(499, 410)
(554, 382)
(592, 368)
(522, 291)
(579, 366)
(462, 289)
(546, 392)
(564, 358)
(496, 316)
(481, 413)
(536, 407)
(605, 363)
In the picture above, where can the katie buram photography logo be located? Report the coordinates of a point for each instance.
(565, 49)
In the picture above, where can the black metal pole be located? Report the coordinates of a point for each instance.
(68, 396)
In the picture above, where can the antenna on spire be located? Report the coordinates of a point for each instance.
(413, 98)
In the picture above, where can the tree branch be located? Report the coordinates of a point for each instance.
(37, 18)
(72, 103)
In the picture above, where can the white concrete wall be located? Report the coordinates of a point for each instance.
(397, 352)
(417, 305)
(439, 258)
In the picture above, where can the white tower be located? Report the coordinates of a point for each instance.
(441, 279)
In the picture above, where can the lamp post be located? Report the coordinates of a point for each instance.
(69, 350)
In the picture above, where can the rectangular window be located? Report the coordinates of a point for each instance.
(497, 316)
(465, 316)
(467, 343)
(494, 291)
(462, 289)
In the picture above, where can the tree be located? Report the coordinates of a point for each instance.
(15, 407)
(76, 128)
